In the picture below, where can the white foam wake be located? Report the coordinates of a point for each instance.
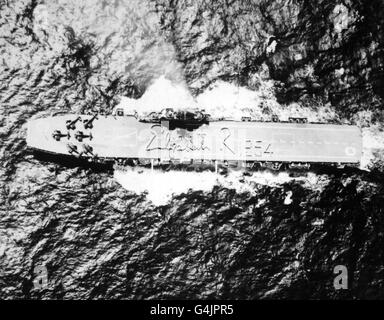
(221, 100)
(161, 186)
(373, 140)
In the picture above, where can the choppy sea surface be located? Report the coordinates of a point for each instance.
(71, 231)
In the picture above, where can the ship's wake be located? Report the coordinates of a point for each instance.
(223, 99)
(160, 186)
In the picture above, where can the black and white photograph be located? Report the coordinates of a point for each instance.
(191, 150)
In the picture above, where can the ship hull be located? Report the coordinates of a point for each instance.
(124, 137)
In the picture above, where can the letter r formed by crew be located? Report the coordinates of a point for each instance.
(341, 280)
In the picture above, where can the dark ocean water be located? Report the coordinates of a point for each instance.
(95, 239)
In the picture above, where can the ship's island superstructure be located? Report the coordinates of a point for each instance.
(185, 137)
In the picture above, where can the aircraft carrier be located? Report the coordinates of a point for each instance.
(185, 137)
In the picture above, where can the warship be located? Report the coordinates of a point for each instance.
(172, 136)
